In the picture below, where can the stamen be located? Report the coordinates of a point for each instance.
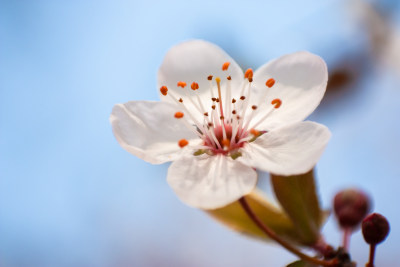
(196, 122)
(218, 80)
(199, 108)
(181, 84)
(209, 77)
(199, 130)
(194, 86)
(179, 115)
(277, 102)
(182, 143)
(214, 117)
(228, 107)
(243, 108)
(235, 126)
(263, 118)
(254, 107)
(242, 90)
(225, 66)
(180, 100)
(270, 82)
(233, 101)
(221, 111)
(213, 99)
(254, 132)
(164, 90)
(211, 132)
(249, 75)
(207, 132)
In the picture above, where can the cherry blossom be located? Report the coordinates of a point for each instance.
(218, 124)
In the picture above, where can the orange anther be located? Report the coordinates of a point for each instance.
(209, 77)
(194, 86)
(164, 90)
(183, 142)
(270, 82)
(229, 78)
(226, 143)
(277, 102)
(248, 74)
(225, 66)
(254, 132)
(179, 115)
(182, 84)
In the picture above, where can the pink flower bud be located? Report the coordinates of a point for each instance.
(375, 228)
(351, 206)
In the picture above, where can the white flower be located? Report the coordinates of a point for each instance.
(217, 124)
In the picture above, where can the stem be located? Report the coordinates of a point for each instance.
(271, 234)
(346, 238)
(371, 256)
(323, 248)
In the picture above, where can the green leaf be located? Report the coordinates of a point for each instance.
(301, 263)
(298, 197)
(234, 217)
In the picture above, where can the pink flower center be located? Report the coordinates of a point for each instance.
(226, 144)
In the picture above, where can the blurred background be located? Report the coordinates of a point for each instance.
(71, 196)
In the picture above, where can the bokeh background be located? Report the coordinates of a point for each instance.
(71, 196)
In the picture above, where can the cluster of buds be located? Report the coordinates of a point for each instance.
(351, 207)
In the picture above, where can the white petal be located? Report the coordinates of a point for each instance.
(300, 83)
(210, 182)
(194, 61)
(149, 130)
(292, 149)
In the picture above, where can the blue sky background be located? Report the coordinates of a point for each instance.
(71, 196)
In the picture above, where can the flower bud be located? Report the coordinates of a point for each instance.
(351, 206)
(375, 228)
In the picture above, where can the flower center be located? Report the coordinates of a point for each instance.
(229, 123)
(226, 145)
